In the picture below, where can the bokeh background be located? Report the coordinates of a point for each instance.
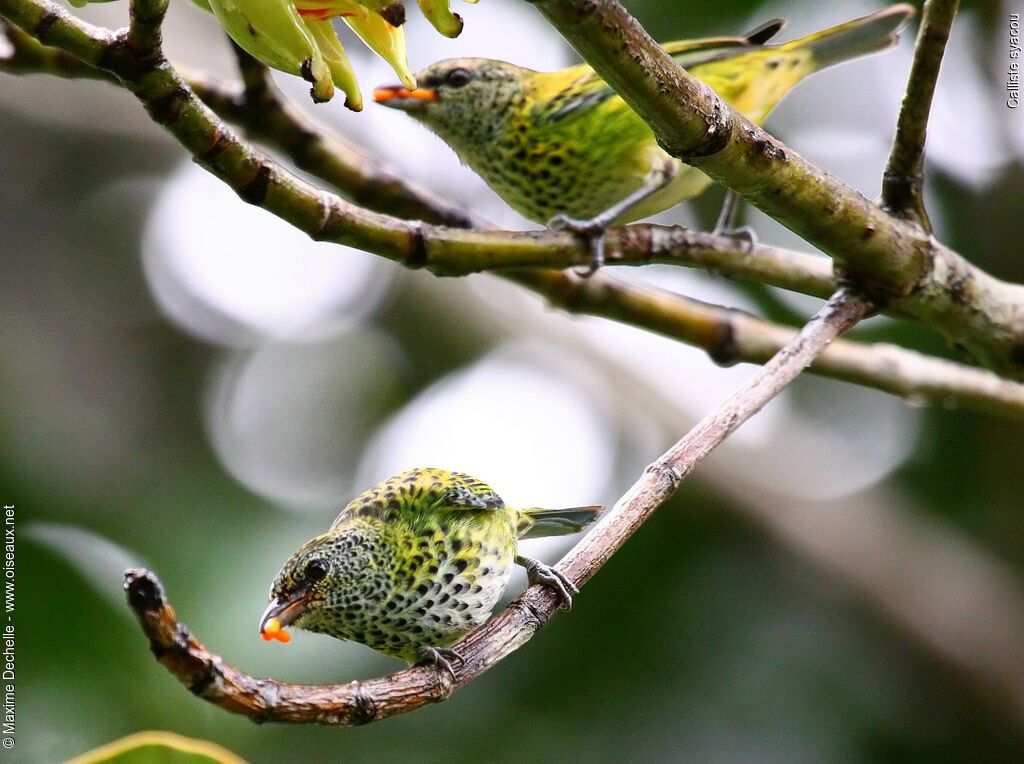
(190, 385)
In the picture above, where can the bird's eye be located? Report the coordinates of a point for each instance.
(457, 78)
(316, 570)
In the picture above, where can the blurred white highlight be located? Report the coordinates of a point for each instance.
(519, 419)
(232, 273)
(288, 421)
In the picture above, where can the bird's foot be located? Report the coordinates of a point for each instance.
(539, 573)
(441, 657)
(591, 231)
(744, 235)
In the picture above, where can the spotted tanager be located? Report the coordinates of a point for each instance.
(562, 148)
(413, 564)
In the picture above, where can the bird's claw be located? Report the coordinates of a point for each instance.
(743, 235)
(539, 573)
(592, 231)
(441, 657)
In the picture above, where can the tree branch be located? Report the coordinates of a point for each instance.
(362, 702)
(28, 56)
(728, 336)
(901, 265)
(904, 173)
(328, 217)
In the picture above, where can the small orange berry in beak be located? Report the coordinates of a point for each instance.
(272, 630)
(383, 95)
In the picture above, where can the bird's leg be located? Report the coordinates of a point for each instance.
(593, 230)
(726, 224)
(442, 657)
(539, 573)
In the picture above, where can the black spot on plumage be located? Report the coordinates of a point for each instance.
(460, 565)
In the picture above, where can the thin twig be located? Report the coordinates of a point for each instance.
(268, 700)
(904, 173)
(146, 18)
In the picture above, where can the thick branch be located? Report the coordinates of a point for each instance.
(904, 173)
(883, 254)
(362, 702)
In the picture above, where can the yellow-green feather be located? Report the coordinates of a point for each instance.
(564, 143)
(418, 560)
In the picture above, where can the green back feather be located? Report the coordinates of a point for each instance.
(746, 66)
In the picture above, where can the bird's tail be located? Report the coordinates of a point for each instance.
(536, 522)
(859, 37)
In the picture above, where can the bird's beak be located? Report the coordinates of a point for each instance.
(285, 609)
(399, 97)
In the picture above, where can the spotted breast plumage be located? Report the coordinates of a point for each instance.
(414, 563)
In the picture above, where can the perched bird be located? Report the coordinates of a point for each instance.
(563, 149)
(414, 563)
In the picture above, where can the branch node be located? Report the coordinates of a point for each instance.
(417, 253)
(254, 190)
(726, 350)
(214, 672)
(531, 613)
(666, 468)
(143, 590)
(364, 710)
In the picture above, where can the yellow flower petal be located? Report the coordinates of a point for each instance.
(273, 32)
(387, 41)
(440, 15)
(341, 70)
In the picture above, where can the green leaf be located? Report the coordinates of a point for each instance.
(155, 747)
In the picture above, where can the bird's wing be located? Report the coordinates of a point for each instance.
(462, 491)
(421, 489)
(582, 89)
